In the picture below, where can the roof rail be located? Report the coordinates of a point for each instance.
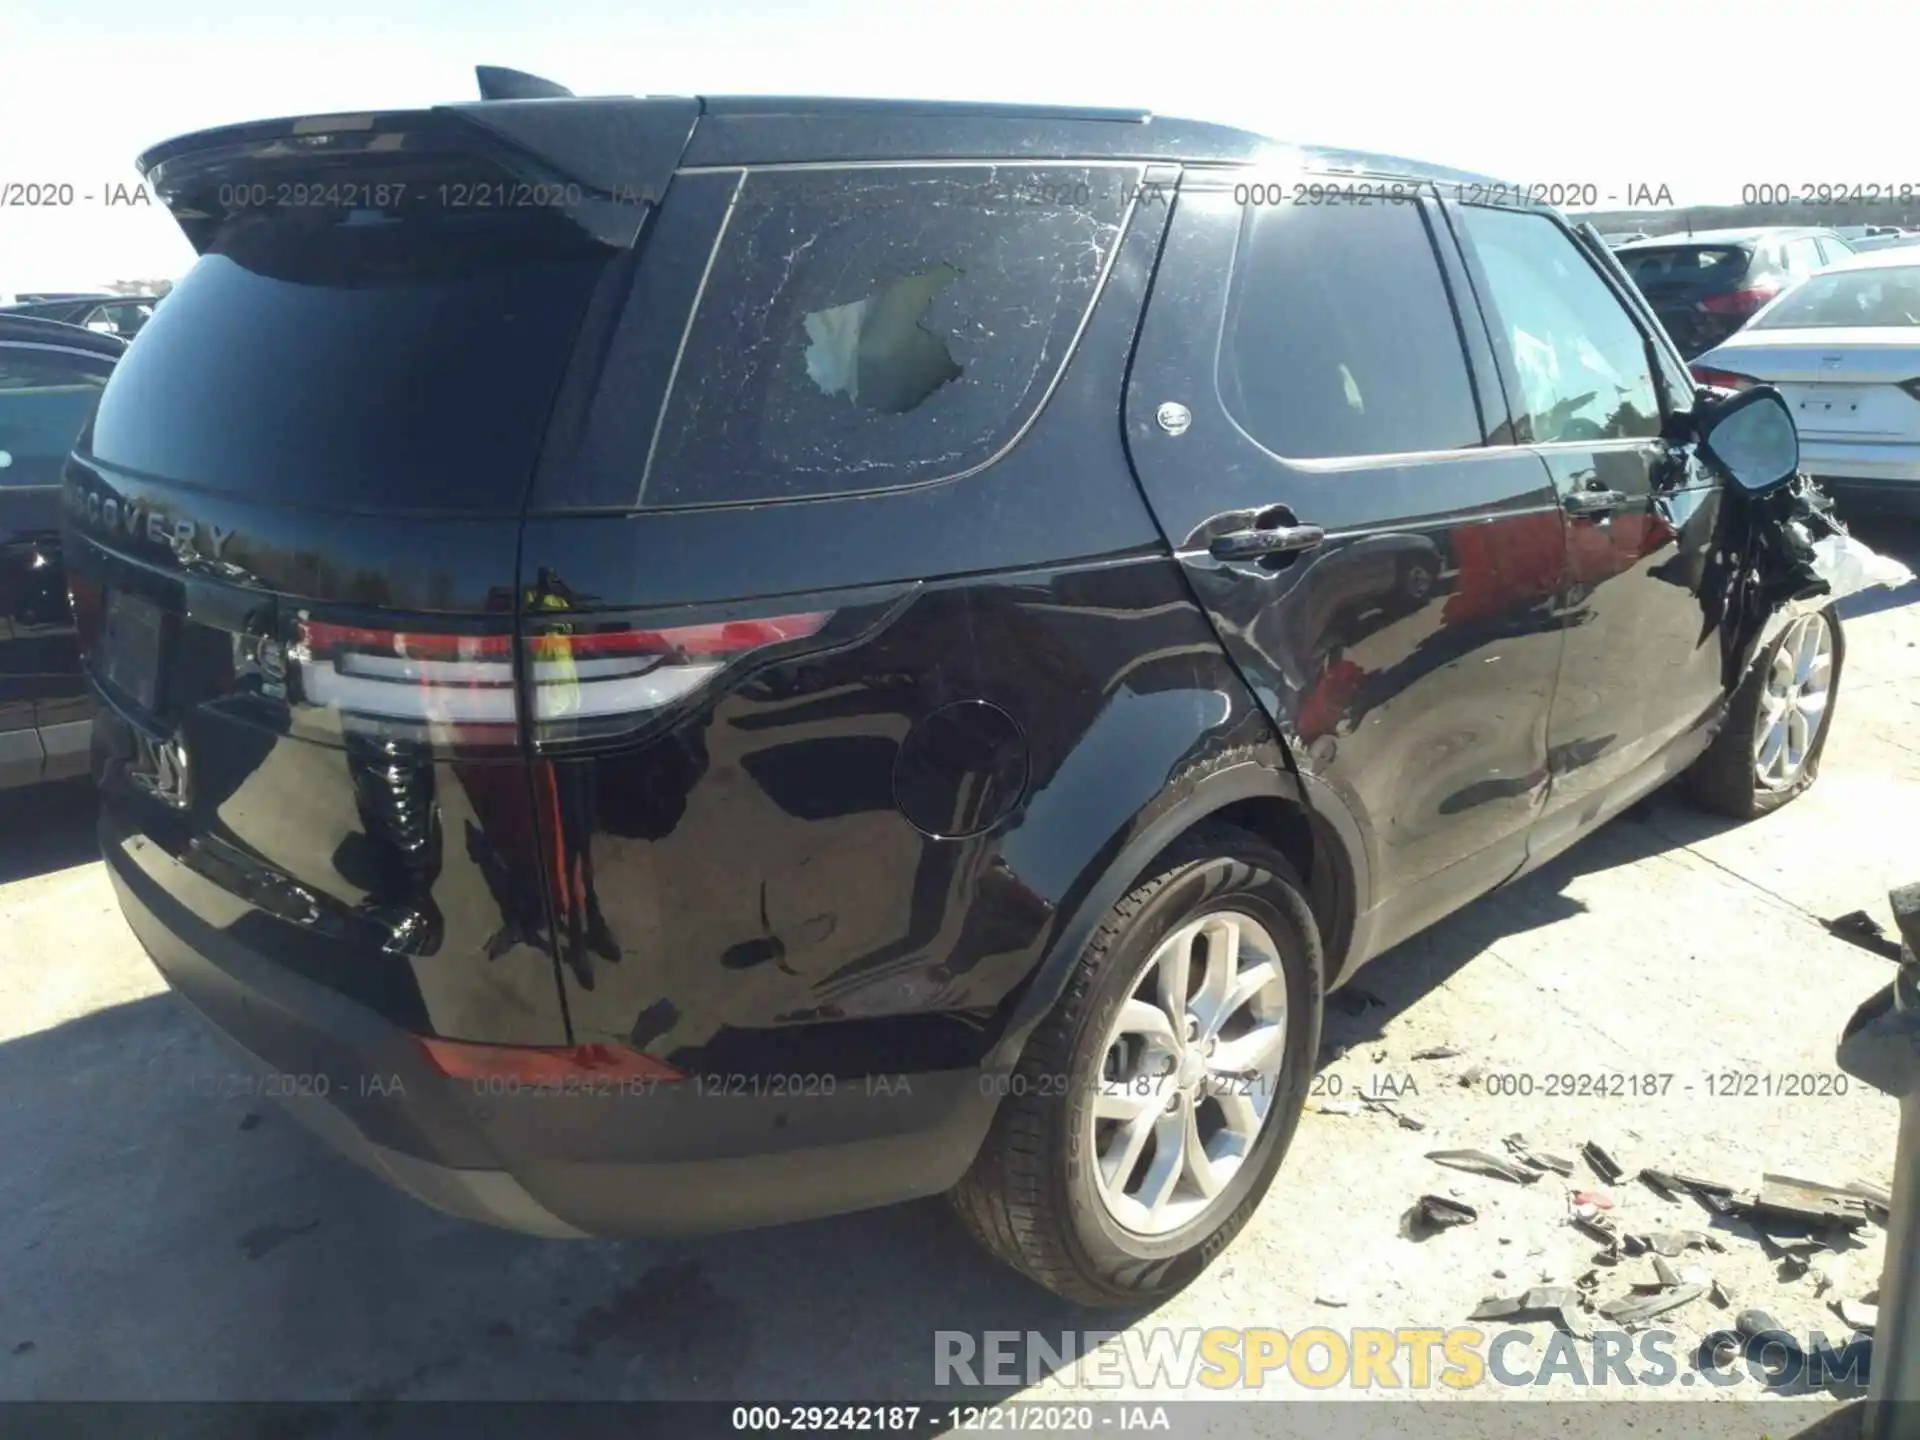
(499, 83)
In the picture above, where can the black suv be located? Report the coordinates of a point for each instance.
(678, 664)
(1706, 285)
(51, 378)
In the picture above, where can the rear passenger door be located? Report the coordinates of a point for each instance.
(1309, 413)
(1642, 661)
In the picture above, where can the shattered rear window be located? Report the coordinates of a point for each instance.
(870, 328)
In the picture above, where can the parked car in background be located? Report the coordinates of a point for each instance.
(1619, 238)
(107, 314)
(1886, 240)
(46, 297)
(1844, 348)
(51, 378)
(1706, 285)
(892, 661)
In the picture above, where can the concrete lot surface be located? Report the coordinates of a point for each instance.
(161, 1239)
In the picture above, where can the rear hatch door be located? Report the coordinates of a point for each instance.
(295, 525)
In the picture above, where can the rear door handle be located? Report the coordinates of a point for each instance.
(1274, 540)
(1593, 502)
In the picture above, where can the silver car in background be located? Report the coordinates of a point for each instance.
(1843, 346)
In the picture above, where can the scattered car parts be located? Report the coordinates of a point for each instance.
(1479, 1162)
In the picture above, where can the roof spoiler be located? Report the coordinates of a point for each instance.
(611, 157)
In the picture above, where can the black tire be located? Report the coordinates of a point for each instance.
(1722, 779)
(1029, 1197)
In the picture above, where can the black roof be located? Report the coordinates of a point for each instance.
(19, 329)
(580, 135)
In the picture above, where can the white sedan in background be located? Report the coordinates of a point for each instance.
(1843, 346)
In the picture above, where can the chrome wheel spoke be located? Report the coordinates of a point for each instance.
(1123, 1154)
(1176, 970)
(1254, 1053)
(1210, 1003)
(1798, 735)
(1188, 1072)
(1247, 984)
(1243, 1107)
(1123, 1100)
(1150, 1022)
(1206, 1176)
(1807, 654)
(1169, 1163)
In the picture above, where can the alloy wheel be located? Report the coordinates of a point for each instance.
(1188, 1073)
(1793, 702)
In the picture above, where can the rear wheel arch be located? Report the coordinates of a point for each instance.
(1249, 789)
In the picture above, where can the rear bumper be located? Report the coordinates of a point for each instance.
(1861, 462)
(604, 1158)
(1866, 479)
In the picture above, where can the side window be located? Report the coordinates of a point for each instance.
(868, 328)
(1340, 339)
(46, 400)
(1803, 255)
(1580, 359)
(1832, 249)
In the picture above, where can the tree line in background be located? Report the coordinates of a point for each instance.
(139, 287)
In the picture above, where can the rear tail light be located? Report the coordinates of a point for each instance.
(1741, 302)
(604, 681)
(585, 679)
(454, 689)
(1721, 379)
(544, 1065)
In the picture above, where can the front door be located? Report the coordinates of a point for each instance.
(1642, 663)
(1310, 415)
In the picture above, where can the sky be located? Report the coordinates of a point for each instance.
(1701, 99)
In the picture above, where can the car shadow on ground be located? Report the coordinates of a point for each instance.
(1400, 978)
(175, 1235)
(44, 828)
(171, 1234)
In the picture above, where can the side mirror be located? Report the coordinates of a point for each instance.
(1751, 437)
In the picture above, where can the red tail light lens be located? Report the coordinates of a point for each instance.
(1721, 379)
(1740, 302)
(544, 1065)
(455, 689)
(598, 682)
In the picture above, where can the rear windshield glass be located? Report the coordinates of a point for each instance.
(1695, 264)
(863, 329)
(1889, 297)
(397, 359)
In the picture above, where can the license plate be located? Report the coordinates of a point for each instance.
(1826, 399)
(130, 647)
